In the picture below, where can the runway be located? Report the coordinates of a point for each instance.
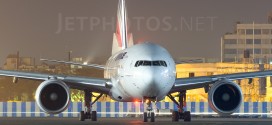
(134, 121)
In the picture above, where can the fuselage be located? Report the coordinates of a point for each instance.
(141, 71)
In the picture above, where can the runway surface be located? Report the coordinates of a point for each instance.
(134, 121)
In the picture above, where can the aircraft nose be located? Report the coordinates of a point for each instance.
(151, 81)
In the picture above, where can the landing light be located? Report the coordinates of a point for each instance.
(85, 63)
(136, 101)
(147, 101)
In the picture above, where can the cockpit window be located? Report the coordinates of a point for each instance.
(150, 63)
(147, 63)
(163, 63)
(156, 63)
(140, 63)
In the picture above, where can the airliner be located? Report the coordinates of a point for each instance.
(142, 72)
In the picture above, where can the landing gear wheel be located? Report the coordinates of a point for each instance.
(94, 116)
(175, 116)
(88, 115)
(145, 116)
(152, 117)
(82, 116)
(88, 103)
(181, 103)
(187, 116)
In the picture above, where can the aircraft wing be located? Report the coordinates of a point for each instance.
(199, 82)
(74, 82)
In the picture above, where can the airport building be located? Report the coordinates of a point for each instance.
(14, 62)
(251, 42)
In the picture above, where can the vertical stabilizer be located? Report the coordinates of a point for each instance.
(121, 38)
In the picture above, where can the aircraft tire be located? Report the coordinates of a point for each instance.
(152, 117)
(175, 116)
(94, 116)
(187, 116)
(82, 116)
(145, 117)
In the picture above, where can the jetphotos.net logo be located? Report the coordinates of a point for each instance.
(67, 23)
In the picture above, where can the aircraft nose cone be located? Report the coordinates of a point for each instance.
(149, 77)
(151, 82)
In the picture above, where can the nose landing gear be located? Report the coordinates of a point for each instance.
(180, 114)
(150, 113)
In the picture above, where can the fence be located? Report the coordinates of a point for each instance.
(123, 109)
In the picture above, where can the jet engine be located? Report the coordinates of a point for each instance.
(53, 96)
(225, 97)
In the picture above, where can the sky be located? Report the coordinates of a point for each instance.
(186, 28)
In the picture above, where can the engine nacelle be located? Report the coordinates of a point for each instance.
(53, 96)
(225, 97)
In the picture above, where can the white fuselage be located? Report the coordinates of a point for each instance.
(144, 70)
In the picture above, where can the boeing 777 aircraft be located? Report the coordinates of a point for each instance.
(144, 72)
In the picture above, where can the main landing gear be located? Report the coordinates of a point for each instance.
(180, 114)
(150, 113)
(88, 114)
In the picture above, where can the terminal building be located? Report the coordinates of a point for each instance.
(251, 43)
(14, 62)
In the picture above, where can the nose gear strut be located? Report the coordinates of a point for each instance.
(150, 113)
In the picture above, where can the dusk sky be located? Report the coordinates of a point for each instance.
(186, 28)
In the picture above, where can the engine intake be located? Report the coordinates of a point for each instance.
(53, 96)
(225, 97)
